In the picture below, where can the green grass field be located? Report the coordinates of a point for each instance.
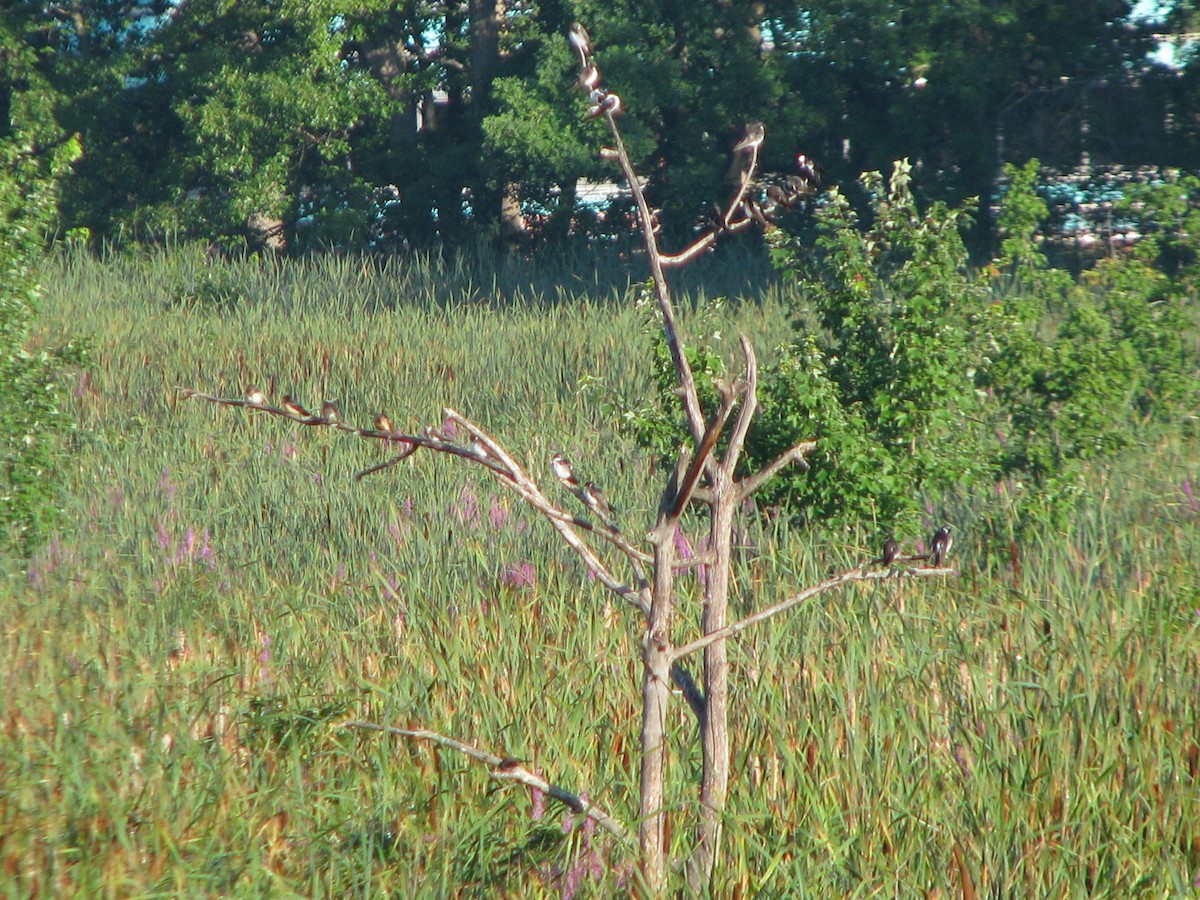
(223, 593)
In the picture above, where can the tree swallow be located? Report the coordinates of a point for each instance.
(941, 546)
(579, 39)
(595, 499)
(755, 133)
(330, 412)
(255, 397)
(891, 548)
(562, 471)
(291, 407)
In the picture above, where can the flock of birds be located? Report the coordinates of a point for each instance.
(760, 198)
(590, 493)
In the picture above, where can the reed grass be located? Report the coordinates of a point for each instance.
(175, 662)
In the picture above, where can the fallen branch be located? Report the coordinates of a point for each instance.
(504, 768)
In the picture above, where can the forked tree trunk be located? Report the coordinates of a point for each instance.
(714, 726)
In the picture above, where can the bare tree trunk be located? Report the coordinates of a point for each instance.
(714, 787)
(389, 60)
(513, 228)
(656, 694)
(265, 232)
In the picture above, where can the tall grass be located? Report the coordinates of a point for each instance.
(173, 664)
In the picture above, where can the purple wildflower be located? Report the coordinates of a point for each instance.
(497, 514)
(466, 509)
(683, 546)
(1192, 503)
(537, 802)
(168, 486)
(521, 575)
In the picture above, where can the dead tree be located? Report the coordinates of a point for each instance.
(642, 571)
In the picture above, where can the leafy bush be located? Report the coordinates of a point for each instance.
(30, 417)
(892, 331)
(917, 377)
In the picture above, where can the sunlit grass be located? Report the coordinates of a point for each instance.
(174, 664)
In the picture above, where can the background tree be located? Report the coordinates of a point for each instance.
(33, 155)
(328, 122)
(959, 88)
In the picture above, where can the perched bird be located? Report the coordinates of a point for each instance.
(595, 499)
(562, 471)
(589, 78)
(755, 133)
(255, 397)
(580, 41)
(775, 193)
(330, 412)
(383, 423)
(478, 448)
(291, 407)
(891, 548)
(810, 172)
(940, 546)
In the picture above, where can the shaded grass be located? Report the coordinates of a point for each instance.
(175, 663)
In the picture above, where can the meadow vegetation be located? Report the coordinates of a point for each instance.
(222, 593)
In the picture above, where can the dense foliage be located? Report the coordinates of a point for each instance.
(32, 158)
(308, 124)
(918, 376)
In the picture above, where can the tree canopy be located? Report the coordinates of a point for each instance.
(318, 122)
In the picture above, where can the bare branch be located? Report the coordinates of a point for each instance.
(496, 460)
(702, 245)
(770, 612)
(703, 453)
(507, 769)
(726, 223)
(404, 454)
(691, 400)
(749, 405)
(747, 486)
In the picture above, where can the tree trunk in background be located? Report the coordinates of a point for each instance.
(389, 60)
(491, 204)
(265, 232)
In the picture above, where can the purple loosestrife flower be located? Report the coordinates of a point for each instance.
(683, 547)
(537, 799)
(497, 514)
(46, 561)
(1192, 503)
(466, 509)
(521, 575)
(187, 549)
(167, 486)
(205, 554)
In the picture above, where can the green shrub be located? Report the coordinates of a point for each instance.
(31, 420)
(917, 377)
